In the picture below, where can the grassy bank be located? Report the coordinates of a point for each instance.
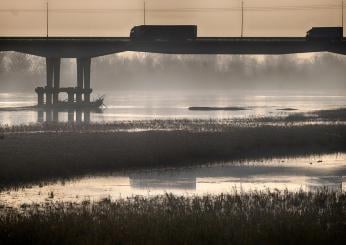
(196, 125)
(254, 218)
(41, 156)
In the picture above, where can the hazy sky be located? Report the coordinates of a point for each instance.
(213, 17)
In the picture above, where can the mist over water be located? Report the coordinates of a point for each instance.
(143, 71)
(149, 105)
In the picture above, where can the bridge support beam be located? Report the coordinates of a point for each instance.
(40, 96)
(79, 80)
(86, 72)
(49, 70)
(83, 79)
(56, 84)
(53, 80)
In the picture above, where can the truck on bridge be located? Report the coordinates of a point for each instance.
(325, 33)
(164, 33)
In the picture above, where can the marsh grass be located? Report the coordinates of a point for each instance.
(194, 125)
(241, 218)
(36, 157)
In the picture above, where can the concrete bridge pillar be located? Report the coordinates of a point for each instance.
(49, 70)
(40, 96)
(79, 80)
(86, 72)
(83, 79)
(56, 82)
(53, 80)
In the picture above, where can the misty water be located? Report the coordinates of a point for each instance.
(309, 173)
(146, 105)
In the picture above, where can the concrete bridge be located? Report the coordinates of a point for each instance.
(85, 48)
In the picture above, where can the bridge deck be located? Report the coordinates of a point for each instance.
(69, 47)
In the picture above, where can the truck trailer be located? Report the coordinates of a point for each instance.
(164, 33)
(325, 33)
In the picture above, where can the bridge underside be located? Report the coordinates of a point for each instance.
(93, 47)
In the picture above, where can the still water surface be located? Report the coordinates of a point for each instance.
(305, 173)
(143, 105)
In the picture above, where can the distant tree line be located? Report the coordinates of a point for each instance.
(147, 71)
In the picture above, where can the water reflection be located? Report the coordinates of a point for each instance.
(58, 115)
(306, 173)
(217, 179)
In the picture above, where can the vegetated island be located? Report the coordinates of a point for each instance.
(205, 108)
(287, 109)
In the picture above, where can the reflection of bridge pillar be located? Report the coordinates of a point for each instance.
(87, 116)
(53, 79)
(55, 115)
(70, 116)
(83, 79)
(56, 82)
(48, 115)
(40, 116)
(78, 116)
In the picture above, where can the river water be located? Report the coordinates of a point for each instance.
(144, 105)
(308, 173)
